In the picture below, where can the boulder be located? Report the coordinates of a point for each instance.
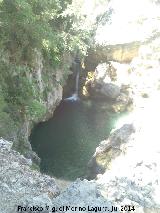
(110, 82)
(109, 149)
(110, 90)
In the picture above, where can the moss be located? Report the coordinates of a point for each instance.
(35, 167)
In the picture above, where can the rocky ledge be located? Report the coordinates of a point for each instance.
(132, 179)
(20, 183)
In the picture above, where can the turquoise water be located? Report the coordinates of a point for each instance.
(66, 142)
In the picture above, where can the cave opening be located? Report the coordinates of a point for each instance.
(67, 141)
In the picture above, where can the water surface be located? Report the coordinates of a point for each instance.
(66, 142)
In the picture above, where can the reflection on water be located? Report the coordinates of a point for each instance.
(66, 142)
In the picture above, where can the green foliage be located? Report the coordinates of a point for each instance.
(19, 91)
(24, 26)
(7, 125)
(50, 27)
(35, 110)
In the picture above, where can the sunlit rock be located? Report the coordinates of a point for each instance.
(122, 53)
(110, 149)
(123, 103)
(111, 83)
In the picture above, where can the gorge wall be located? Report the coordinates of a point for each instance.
(49, 87)
(125, 169)
(32, 96)
(37, 42)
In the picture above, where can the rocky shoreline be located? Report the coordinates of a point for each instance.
(124, 173)
(130, 178)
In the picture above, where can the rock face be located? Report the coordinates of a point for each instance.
(130, 173)
(84, 195)
(122, 53)
(138, 78)
(109, 149)
(142, 78)
(108, 194)
(126, 165)
(133, 180)
(118, 40)
(19, 184)
(129, 161)
(48, 84)
(108, 83)
(118, 43)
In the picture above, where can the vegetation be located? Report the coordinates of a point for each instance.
(26, 28)
(32, 30)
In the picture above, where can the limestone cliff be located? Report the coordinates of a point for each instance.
(49, 85)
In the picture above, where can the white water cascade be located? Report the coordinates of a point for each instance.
(74, 96)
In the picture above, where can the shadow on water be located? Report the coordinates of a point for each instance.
(67, 141)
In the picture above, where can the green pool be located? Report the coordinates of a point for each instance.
(67, 141)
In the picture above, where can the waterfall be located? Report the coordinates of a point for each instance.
(77, 82)
(74, 96)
